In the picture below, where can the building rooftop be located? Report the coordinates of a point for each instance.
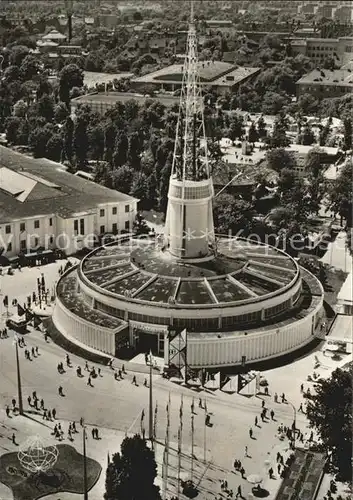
(91, 78)
(33, 187)
(337, 77)
(54, 35)
(113, 97)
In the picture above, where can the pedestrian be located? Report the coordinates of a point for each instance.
(53, 412)
(49, 415)
(256, 421)
(120, 374)
(81, 421)
(302, 388)
(89, 382)
(300, 409)
(263, 403)
(279, 469)
(42, 404)
(29, 400)
(74, 427)
(7, 410)
(60, 391)
(250, 433)
(115, 376)
(34, 395)
(239, 492)
(146, 358)
(200, 403)
(145, 382)
(86, 367)
(13, 438)
(123, 369)
(96, 432)
(272, 414)
(266, 391)
(99, 372)
(242, 472)
(134, 380)
(37, 351)
(246, 451)
(270, 473)
(283, 398)
(68, 361)
(275, 397)
(13, 403)
(45, 415)
(311, 437)
(33, 352)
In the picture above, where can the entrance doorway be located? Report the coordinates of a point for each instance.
(146, 342)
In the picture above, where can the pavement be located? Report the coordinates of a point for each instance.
(337, 254)
(115, 407)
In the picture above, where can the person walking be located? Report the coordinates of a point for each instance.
(272, 413)
(33, 352)
(263, 403)
(93, 433)
(68, 361)
(29, 399)
(42, 404)
(123, 369)
(246, 452)
(14, 439)
(120, 373)
(89, 382)
(242, 472)
(239, 492)
(300, 409)
(283, 397)
(250, 433)
(301, 388)
(275, 397)
(256, 421)
(145, 382)
(86, 367)
(37, 351)
(270, 473)
(134, 382)
(7, 411)
(13, 403)
(99, 373)
(200, 403)
(49, 415)
(60, 391)
(45, 415)
(53, 412)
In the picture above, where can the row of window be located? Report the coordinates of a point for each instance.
(81, 223)
(23, 244)
(115, 227)
(114, 211)
(23, 226)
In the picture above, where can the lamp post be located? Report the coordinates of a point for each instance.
(150, 409)
(294, 421)
(85, 490)
(19, 386)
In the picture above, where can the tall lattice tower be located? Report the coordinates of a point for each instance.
(189, 224)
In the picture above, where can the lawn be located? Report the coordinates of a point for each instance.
(66, 475)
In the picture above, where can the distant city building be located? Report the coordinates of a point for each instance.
(100, 102)
(45, 206)
(321, 49)
(326, 83)
(219, 76)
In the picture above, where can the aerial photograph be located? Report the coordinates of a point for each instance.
(176, 249)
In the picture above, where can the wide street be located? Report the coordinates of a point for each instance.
(115, 407)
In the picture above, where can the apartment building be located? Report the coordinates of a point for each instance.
(321, 49)
(326, 83)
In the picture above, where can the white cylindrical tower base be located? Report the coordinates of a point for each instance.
(189, 223)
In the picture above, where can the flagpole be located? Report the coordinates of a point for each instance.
(181, 442)
(19, 385)
(150, 423)
(192, 448)
(204, 435)
(85, 490)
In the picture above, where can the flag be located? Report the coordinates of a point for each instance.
(20, 310)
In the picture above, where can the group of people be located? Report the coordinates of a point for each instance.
(3, 333)
(34, 351)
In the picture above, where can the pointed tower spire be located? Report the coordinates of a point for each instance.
(189, 223)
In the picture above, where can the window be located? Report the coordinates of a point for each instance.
(76, 226)
(22, 227)
(114, 211)
(8, 229)
(82, 226)
(23, 245)
(102, 229)
(51, 240)
(36, 242)
(115, 228)
(127, 225)
(36, 224)
(127, 209)
(9, 247)
(101, 212)
(50, 221)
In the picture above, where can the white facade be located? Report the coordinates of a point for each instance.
(52, 231)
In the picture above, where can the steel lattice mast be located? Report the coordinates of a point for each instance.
(190, 160)
(189, 230)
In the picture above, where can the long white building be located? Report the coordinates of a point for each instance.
(42, 206)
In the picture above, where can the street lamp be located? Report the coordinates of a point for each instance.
(294, 421)
(85, 490)
(19, 386)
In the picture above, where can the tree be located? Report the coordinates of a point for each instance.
(46, 107)
(131, 474)
(20, 109)
(307, 137)
(278, 159)
(139, 189)
(70, 76)
(313, 162)
(29, 67)
(329, 411)
(54, 147)
(252, 134)
(279, 139)
(231, 214)
(61, 112)
(38, 139)
(80, 142)
(121, 150)
(140, 225)
(121, 178)
(261, 127)
(347, 133)
(341, 194)
(12, 126)
(68, 130)
(236, 128)
(18, 54)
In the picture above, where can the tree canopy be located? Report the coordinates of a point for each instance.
(329, 411)
(131, 474)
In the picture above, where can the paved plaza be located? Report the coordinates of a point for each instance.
(115, 407)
